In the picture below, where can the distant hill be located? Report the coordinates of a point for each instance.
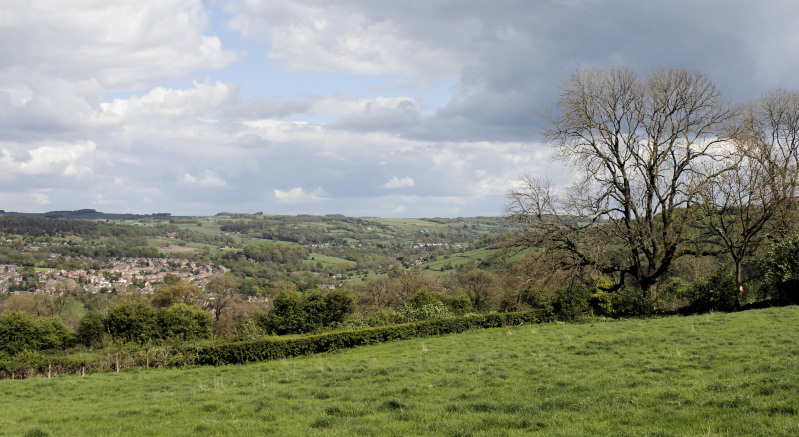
(89, 214)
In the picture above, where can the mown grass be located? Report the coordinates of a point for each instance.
(716, 374)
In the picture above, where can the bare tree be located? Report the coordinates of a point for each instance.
(481, 286)
(637, 147)
(221, 296)
(752, 199)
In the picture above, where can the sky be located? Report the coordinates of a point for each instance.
(417, 108)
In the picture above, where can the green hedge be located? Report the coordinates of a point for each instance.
(277, 348)
(28, 364)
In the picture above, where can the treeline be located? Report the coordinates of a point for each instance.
(301, 229)
(37, 226)
(341, 230)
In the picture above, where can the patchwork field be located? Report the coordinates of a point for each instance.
(715, 374)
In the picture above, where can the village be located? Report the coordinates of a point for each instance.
(123, 275)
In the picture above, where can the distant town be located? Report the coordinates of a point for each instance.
(123, 275)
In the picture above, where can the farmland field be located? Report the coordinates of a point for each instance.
(712, 374)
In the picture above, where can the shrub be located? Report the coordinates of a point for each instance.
(431, 311)
(781, 266)
(286, 316)
(312, 312)
(339, 304)
(251, 327)
(182, 322)
(572, 302)
(20, 331)
(630, 301)
(293, 313)
(459, 304)
(91, 329)
(602, 303)
(715, 294)
(53, 334)
(133, 321)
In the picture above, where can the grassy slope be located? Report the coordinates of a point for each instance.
(721, 374)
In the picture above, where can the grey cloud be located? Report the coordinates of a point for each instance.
(402, 115)
(257, 108)
(252, 141)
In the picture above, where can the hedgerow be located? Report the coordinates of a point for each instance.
(276, 348)
(28, 364)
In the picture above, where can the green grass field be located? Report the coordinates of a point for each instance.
(327, 260)
(454, 261)
(716, 374)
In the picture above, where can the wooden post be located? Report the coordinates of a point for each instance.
(49, 370)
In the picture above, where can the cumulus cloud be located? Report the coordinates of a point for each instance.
(299, 195)
(206, 179)
(339, 37)
(120, 44)
(41, 198)
(51, 159)
(396, 182)
(162, 104)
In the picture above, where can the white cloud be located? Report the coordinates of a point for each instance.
(298, 194)
(162, 104)
(306, 36)
(51, 159)
(119, 43)
(41, 198)
(206, 179)
(396, 182)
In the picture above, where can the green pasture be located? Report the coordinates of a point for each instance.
(327, 260)
(455, 260)
(707, 375)
(208, 227)
(410, 224)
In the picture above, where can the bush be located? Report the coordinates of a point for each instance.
(781, 266)
(293, 313)
(572, 302)
(53, 334)
(20, 331)
(339, 304)
(182, 322)
(715, 294)
(422, 298)
(134, 321)
(431, 311)
(287, 315)
(629, 301)
(91, 329)
(602, 303)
